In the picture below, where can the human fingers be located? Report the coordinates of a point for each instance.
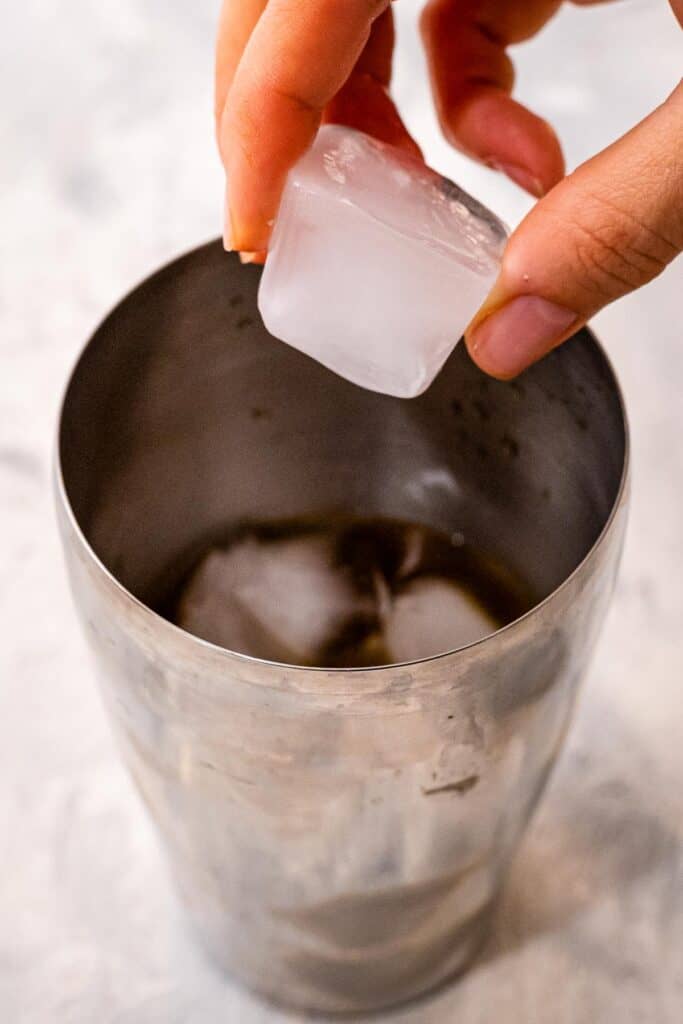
(295, 61)
(472, 78)
(607, 229)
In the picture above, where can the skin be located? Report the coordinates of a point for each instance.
(285, 66)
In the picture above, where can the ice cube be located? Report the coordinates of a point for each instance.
(282, 600)
(431, 615)
(377, 263)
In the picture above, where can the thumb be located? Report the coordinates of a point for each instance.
(610, 227)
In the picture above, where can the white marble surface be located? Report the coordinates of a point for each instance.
(107, 169)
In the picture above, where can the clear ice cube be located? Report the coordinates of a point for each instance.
(432, 615)
(280, 600)
(296, 601)
(377, 263)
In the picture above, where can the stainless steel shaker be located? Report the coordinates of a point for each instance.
(338, 837)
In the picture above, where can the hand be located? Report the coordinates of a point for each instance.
(284, 65)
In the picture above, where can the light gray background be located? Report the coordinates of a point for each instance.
(107, 168)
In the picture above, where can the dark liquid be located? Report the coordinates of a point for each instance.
(345, 594)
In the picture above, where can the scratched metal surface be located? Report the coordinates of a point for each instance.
(108, 169)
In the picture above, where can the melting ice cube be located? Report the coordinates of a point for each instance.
(279, 600)
(298, 601)
(377, 263)
(432, 615)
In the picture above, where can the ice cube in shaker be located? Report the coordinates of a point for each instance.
(281, 600)
(431, 616)
(377, 263)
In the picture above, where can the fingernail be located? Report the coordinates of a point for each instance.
(519, 333)
(252, 257)
(525, 179)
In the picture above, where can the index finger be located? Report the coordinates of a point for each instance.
(235, 24)
(297, 58)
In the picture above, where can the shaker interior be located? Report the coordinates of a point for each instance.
(184, 417)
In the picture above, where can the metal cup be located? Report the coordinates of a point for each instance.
(339, 837)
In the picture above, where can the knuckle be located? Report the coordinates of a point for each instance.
(600, 244)
(611, 265)
(295, 98)
(240, 130)
(617, 250)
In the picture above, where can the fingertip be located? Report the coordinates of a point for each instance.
(252, 257)
(546, 159)
(479, 358)
(501, 133)
(521, 176)
(517, 334)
